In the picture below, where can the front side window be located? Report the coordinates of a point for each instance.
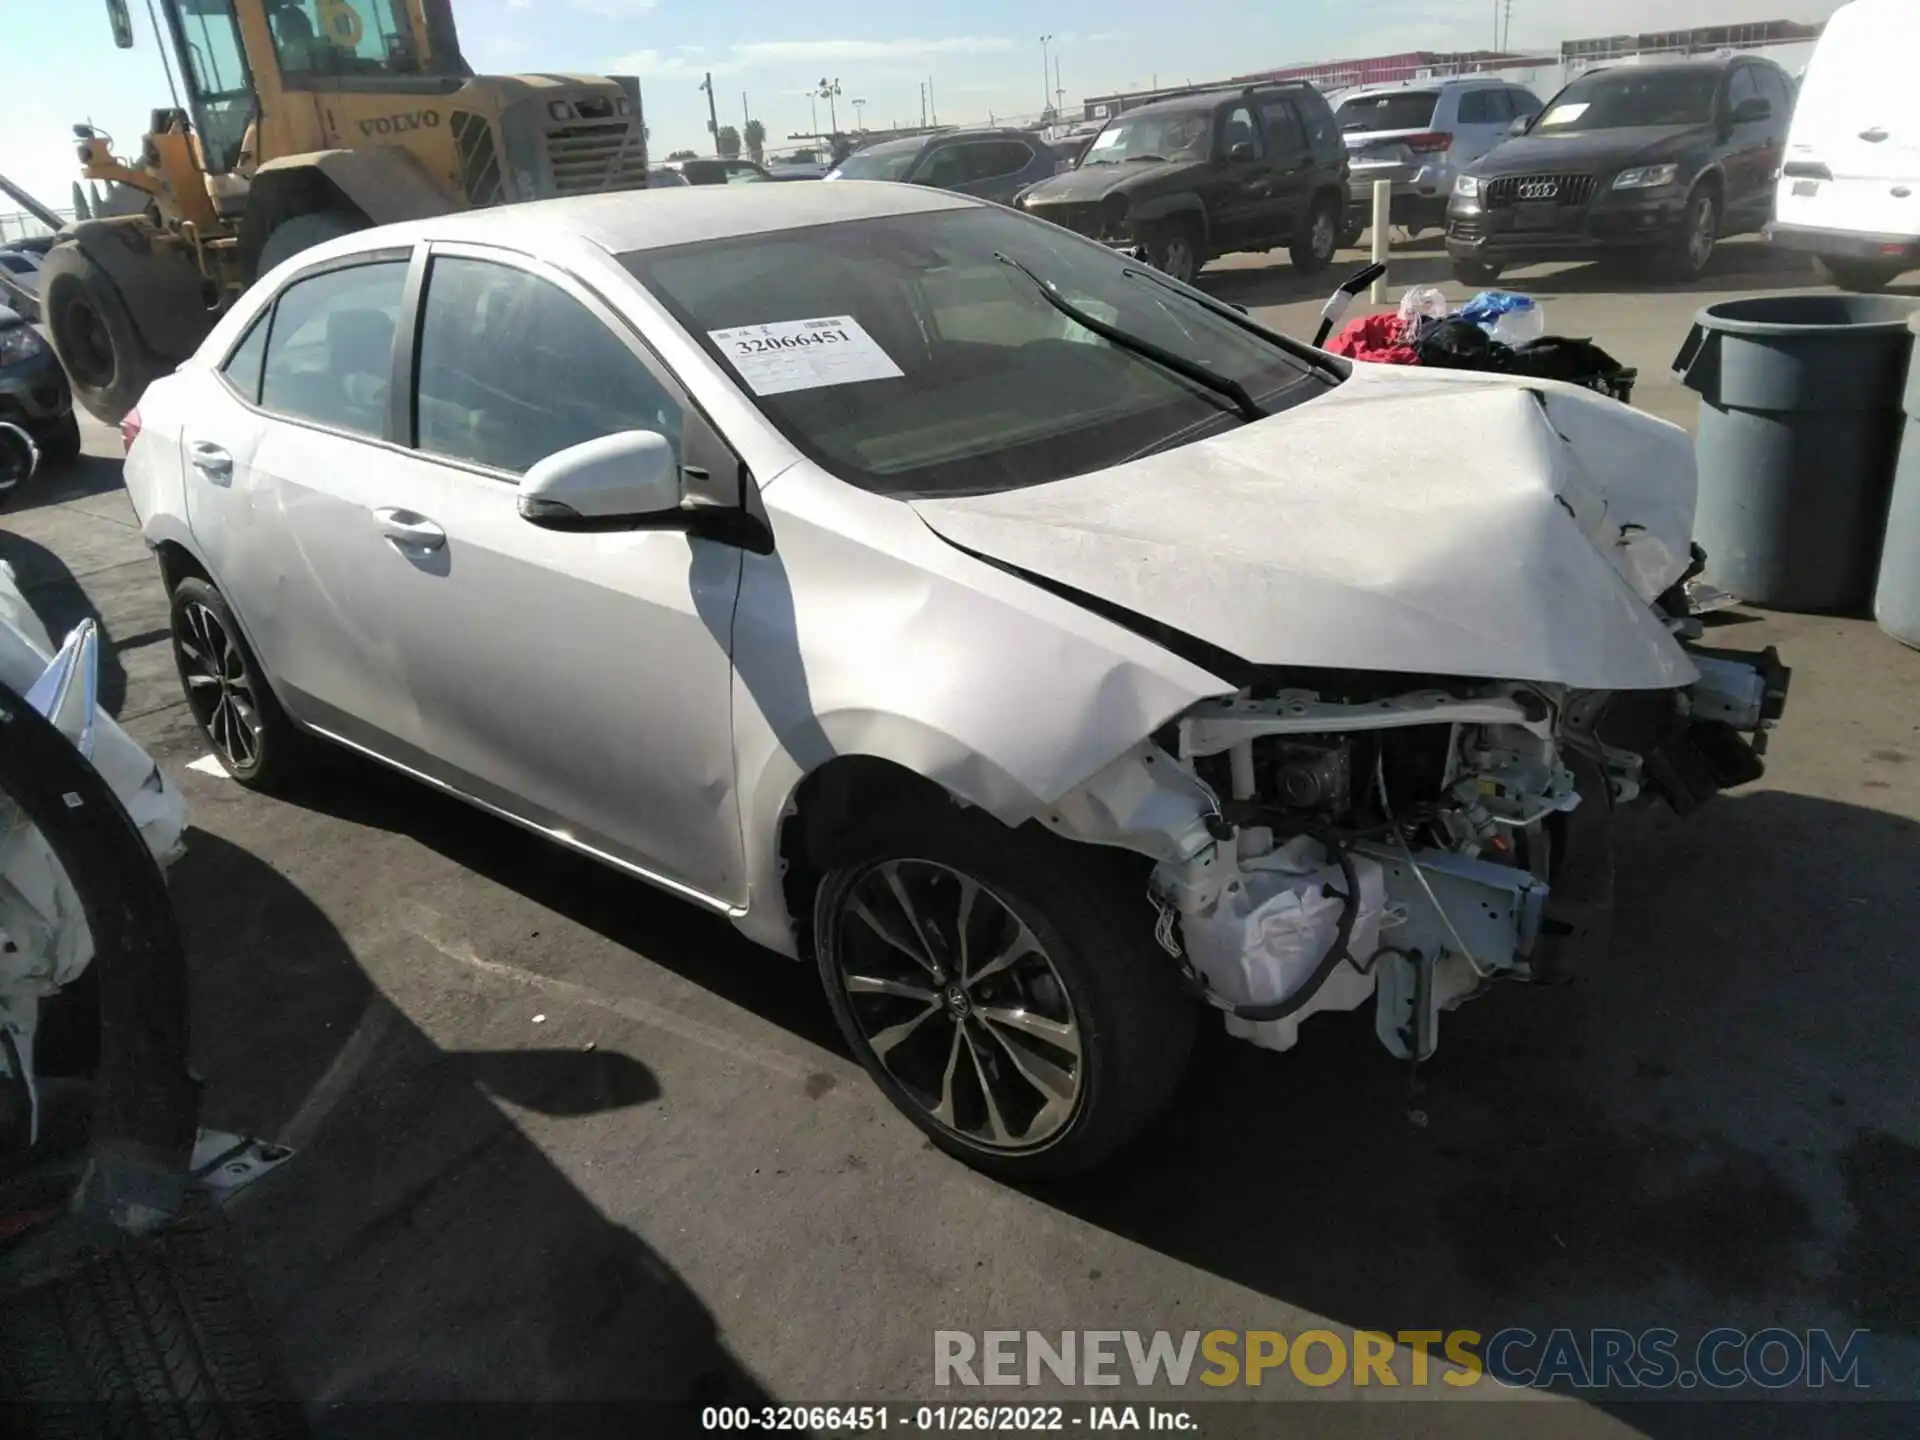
(1237, 128)
(329, 353)
(992, 159)
(513, 369)
(956, 375)
(1616, 99)
(945, 167)
(1178, 135)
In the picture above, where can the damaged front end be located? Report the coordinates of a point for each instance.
(1326, 838)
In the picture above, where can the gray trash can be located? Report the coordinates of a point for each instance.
(1799, 426)
(1896, 599)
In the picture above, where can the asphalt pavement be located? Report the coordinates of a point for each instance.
(561, 1137)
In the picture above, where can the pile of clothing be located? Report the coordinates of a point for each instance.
(1495, 331)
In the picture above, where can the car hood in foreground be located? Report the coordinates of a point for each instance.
(1591, 149)
(1428, 524)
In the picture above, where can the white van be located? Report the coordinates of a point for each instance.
(1849, 189)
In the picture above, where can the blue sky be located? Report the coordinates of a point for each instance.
(983, 55)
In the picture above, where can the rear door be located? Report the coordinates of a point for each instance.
(284, 471)
(1484, 117)
(944, 167)
(995, 168)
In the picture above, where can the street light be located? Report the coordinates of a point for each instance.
(860, 115)
(1046, 75)
(829, 91)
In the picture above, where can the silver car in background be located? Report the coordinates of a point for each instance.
(1418, 135)
(1033, 643)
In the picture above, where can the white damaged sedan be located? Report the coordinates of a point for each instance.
(1045, 650)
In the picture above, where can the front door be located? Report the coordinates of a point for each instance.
(1241, 201)
(580, 681)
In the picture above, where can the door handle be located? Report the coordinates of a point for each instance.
(407, 528)
(210, 460)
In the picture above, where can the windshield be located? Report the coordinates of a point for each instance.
(1619, 98)
(877, 164)
(1395, 110)
(343, 37)
(904, 357)
(1181, 135)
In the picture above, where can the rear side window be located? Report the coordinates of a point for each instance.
(1484, 107)
(1318, 117)
(1394, 110)
(329, 354)
(990, 159)
(513, 369)
(1285, 134)
(243, 365)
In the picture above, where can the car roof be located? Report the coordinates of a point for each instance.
(1421, 87)
(630, 220)
(1207, 99)
(1693, 64)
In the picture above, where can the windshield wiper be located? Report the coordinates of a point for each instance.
(1315, 360)
(1200, 374)
(1157, 159)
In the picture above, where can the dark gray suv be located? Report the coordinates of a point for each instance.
(991, 164)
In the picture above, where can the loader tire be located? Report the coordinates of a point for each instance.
(155, 1339)
(107, 363)
(303, 232)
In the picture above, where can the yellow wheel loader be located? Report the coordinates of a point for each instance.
(303, 120)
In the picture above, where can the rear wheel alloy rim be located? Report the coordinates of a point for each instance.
(1178, 260)
(1700, 239)
(219, 687)
(958, 1001)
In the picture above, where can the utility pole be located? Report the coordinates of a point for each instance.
(713, 116)
(1506, 34)
(746, 117)
(1059, 90)
(860, 115)
(923, 104)
(933, 106)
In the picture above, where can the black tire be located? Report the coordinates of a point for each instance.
(303, 232)
(1176, 249)
(1125, 1007)
(240, 718)
(1861, 277)
(1473, 272)
(1318, 238)
(1350, 233)
(1687, 256)
(156, 1339)
(107, 363)
(61, 445)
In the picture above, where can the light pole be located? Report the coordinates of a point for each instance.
(713, 116)
(1046, 74)
(829, 91)
(860, 115)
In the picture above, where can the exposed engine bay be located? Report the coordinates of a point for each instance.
(1407, 839)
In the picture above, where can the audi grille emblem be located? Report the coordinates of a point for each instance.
(1539, 189)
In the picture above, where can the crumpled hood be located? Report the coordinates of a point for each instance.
(1419, 522)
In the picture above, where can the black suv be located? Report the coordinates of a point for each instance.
(1209, 174)
(1656, 160)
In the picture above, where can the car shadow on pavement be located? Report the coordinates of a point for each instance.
(1702, 1135)
(57, 482)
(61, 602)
(419, 1246)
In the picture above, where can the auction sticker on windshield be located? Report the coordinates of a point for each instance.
(804, 354)
(1564, 114)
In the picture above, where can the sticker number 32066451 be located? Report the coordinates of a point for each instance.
(804, 354)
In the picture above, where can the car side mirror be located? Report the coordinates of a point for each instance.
(618, 481)
(1520, 124)
(1243, 150)
(1756, 107)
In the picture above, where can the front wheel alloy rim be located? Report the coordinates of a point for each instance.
(219, 687)
(960, 1004)
(1324, 238)
(1178, 260)
(1700, 242)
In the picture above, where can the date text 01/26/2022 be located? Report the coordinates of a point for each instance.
(933, 1419)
